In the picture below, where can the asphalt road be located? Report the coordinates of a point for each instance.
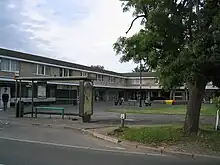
(25, 153)
(30, 145)
(113, 118)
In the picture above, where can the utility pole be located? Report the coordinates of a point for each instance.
(140, 105)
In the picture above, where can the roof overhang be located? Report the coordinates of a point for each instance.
(55, 78)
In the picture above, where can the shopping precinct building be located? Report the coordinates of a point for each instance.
(108, 85)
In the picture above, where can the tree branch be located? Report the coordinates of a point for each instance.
(134, 21)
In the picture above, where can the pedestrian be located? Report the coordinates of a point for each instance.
(5, 98)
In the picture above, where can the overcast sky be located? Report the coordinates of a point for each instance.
(80, 31)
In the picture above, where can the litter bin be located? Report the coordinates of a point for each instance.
(19, 113)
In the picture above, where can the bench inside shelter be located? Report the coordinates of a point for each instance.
(61, 109)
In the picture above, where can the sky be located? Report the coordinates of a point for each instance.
(81, 32)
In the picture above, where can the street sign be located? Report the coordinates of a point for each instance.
(123, 116)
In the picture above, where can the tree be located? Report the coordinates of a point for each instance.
(180, 40)
(98, 67)
(143, 68)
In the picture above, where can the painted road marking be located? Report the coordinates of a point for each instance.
(119, 148)
(129, 120)
(79, 147)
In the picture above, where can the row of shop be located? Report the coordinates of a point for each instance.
(66, 94)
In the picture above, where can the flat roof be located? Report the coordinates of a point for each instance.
(38, 58)
(55, 78)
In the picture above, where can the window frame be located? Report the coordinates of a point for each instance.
(44, 67)
(10, 66)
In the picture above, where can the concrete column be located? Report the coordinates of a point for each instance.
(174, 95)
(106, 95)
(159, 94)
(134, 95)
(148, 94)
(171, 94)
(186, 95)
(126, 95)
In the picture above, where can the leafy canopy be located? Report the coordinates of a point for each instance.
(142, 68)
(177, 40)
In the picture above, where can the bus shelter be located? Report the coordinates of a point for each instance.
(86, 93)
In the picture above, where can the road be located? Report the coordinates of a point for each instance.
(31, 145)
(14, 152)
(28, 144)
(113, 118)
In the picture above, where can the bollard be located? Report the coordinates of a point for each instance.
(217, 120)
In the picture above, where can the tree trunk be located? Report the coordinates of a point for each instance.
(196, 91)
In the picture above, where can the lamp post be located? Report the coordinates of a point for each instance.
(140, 104)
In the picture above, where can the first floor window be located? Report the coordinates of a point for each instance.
(14, 66)
(9, 65)
(70, 73)
(41, 69)
(84, 74)
(5, 65)
(100, 77)
(48, 70)
(136, 81)
(111, 79)
(61, 72)
(66, 72)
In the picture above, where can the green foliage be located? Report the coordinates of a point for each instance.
(159, 135)
(216, 101)
(182, 45)
(98, 67)
(206, 110)
(153, 135)
(142, 68)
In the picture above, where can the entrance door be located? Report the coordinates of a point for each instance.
(2, 90)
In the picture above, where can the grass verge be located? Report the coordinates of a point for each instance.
(207, 139)
(206, 110)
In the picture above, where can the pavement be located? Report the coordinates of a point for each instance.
(52, 135)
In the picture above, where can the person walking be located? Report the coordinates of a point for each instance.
(5, 98)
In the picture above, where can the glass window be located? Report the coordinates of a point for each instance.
(29, 92)
(61, 72)
(100, 77)
(66, 72)
(84, 74)
(136, 81)
(41, 70)
(111, 79)
(48, 70)
(70, 72)
(122, 81)
(14, 66)
(5, 65)
(92, 75)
